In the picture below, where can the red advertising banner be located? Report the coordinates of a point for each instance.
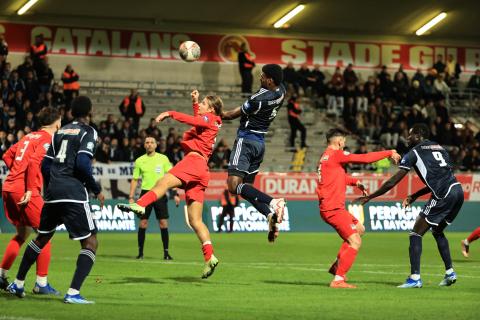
(100, 42)
(301, 186)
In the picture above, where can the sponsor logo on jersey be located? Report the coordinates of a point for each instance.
(46, 146)
(346, 153)
(205, 118)
(70, 132)
(90, 146)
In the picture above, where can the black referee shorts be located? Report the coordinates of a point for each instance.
(160, 206)
(77, 218)
(246, 158)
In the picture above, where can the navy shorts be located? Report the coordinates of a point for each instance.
(245, 159)
(77, 218)
(445, 210)
(160, 206)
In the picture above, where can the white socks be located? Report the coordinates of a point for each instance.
(449, 271)
(415, 277)
(465, 242)
(19, 283)
(42, 281)
(3, 273)
(72, 292)
(338, 278)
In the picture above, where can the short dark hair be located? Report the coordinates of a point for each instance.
(47, 116)
(421, 129)
(335, 132)
(81, 107)
(274, 72)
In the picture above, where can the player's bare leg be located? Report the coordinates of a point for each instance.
(466, 242)
(261, 201)
(168, 181)
(11, 253)
(195, 210)
(333, 269)
(346, 260)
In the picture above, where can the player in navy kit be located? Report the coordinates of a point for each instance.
(67, 173)
(433, 166)
(256, 114)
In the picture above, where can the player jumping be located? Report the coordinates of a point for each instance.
(22, 200)
(67, 171)
(332, 185)
(190, 174)
(257, 113)
(433, 166)
(466, 243)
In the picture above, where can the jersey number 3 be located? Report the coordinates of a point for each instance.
(439, 157)
(62, 153)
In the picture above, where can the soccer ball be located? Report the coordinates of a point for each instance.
(189, 51)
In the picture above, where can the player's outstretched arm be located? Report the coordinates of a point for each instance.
(413, 197)
(392, 182)
(231, 114)
(368, 157)
(197, 121)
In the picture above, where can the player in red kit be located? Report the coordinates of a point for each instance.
(21, 193)
(190, 174)
(332, 185)
(466, 243)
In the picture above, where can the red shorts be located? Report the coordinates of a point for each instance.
(28, 215)
(194, 174)
(342, 221)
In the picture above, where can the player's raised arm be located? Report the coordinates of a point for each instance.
(195, 94)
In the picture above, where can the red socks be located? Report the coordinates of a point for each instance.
(474, 236)
(343, 247)
(11, 252)
(207, 249)
(43, 260)
(346, 260)
(147, 199)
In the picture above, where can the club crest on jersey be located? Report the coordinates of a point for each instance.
(346, 153)
(90, 146)
(205, 118)
(46, 146)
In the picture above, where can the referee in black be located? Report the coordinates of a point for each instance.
(149, 168)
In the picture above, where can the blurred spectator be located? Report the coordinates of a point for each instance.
(349, 76)
(441, 87)
(474, 82)
(439, 64)
(220, 156)
(32, 91)
(6, 71)
(3, 50)
(132, 107)
(383, 165)
(290, 77)
(102, 153)
(319, 85)
(245, 64)
(404, 76)
(71, 86)
(418, 76)
(38, 52)
(294, 111)
(16, 84)
(306, 79)
(337, 78)
(25, 67)
(45, 77)
(229, 202)
(452, 68)
(58, 99)
(382, 76)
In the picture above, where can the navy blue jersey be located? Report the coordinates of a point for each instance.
(432, 164)
(260, 110)
(70, 140)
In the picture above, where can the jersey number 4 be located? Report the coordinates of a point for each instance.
(62, 153)
(439, 157)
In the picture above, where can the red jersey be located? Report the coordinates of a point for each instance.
(333, 180)
(24, 160)
(201, 138)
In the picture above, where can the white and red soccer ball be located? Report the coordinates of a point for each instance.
(189, 51)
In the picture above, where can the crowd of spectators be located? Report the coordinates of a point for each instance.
(380, 110)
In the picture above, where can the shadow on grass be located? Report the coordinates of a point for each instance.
(188, 279)
(296, 283)
(136, 280)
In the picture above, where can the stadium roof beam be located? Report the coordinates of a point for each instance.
(292, 13)
(26, 6)
(430, 24)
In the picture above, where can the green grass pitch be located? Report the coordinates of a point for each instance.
(254, 280)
